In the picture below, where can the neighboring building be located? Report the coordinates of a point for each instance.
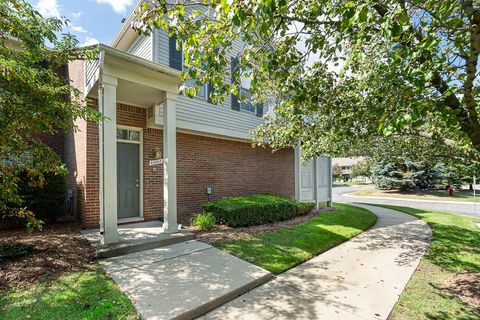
(346, 165)
(159, 153)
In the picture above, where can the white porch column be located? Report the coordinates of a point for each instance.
(107, 94)
(298, 172)
(330, 182)
(170, 164)
(315, 182)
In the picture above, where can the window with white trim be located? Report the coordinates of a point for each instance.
(128, 135)
(245, 95)
(202, 93)
(203, 89)
(246, 102)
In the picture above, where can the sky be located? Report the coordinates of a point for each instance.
(91, 21)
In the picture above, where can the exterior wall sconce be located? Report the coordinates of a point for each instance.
(158, 153)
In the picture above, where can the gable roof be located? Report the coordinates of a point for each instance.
(126, 35)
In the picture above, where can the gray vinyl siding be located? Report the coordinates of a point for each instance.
(200, 112)
(197, 111)
(142, 47)
(162, 47)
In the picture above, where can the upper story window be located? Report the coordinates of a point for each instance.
(176, 62)
(245, 102)
(246, 105)
(202, 93)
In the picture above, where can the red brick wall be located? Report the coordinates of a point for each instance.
(75, 147)
(229, 167)
(54, 141)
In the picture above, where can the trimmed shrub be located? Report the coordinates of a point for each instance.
(205, 221)
(305, 208)
(46, 202)
(253, 209)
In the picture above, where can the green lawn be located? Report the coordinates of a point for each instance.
(439, 195)
(455, 248)
(283, 249)
(79, 295)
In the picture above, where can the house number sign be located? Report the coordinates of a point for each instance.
(155, 162)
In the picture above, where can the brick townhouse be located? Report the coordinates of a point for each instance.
(161, 155)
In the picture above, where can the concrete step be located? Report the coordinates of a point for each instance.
(135, 237)
(122, 248)
(184, 280)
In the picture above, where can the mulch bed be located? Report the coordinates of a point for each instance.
(466, 287)
(58, 249)
(223, 232)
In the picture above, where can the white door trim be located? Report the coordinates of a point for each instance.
(140, 155)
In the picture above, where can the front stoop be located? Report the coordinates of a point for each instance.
(183, 280)
(135, 237)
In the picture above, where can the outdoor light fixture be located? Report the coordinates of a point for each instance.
(209, 192)
(158, 153)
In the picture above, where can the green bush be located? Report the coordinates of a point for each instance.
(255, 209)
(305, 208)
(46, 202)
(205, 221)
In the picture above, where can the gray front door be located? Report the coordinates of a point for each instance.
(128, 180)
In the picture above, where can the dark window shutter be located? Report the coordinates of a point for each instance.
(235, 103)
(174, 54)
(259, 110)
(210, 89)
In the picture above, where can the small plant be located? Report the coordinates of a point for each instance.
(205, 221)
(305, 208)
(13, 251)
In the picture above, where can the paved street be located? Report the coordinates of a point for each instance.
(460, 207)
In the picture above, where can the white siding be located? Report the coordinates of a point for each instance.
(142, 47)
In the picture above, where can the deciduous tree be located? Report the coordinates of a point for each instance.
(35, 99)
(337, 70)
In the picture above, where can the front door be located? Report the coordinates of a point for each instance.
(128, 180)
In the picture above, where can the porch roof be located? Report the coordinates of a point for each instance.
(140, 81)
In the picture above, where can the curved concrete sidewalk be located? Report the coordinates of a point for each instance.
(359, 279)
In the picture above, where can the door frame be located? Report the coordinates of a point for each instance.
(140, 163)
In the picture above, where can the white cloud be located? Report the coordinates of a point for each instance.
(77, 14)
(89, 41)
(48, 8)
(119, 6)
(77, 28)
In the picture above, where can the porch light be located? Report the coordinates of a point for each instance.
(158, 153)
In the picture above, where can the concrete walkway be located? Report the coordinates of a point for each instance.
(359, 279)
(183, 280)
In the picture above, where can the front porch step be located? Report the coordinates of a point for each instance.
(135, 237)
(122, 248)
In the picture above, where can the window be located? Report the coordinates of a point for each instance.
(128, 135)
(202, 93)
(247, 104)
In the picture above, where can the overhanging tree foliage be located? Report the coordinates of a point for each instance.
(34, 99)
(406, 67)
